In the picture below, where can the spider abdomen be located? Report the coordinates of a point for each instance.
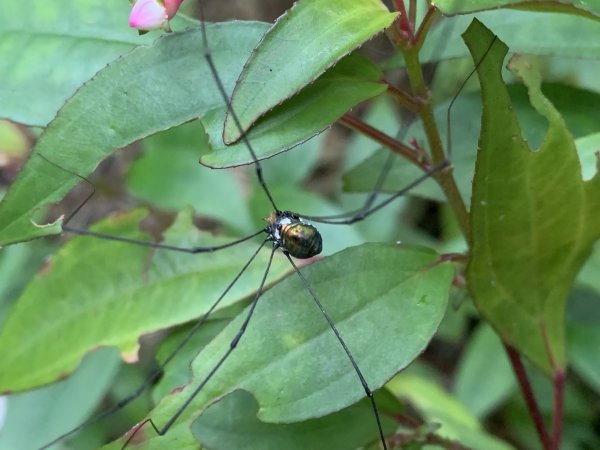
(301, 240)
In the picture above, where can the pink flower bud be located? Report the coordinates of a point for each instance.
(171, 6)
(147, 15)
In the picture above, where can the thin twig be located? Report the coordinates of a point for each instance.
(528, 396)
(404, 98)
(354, 123)
(557, 413)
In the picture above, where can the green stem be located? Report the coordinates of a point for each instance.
(444, 178)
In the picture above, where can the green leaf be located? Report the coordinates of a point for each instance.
(589, 273)
(58, 408)
(533, 221)
(484, 377)
(587, 149)
(173, 155)
(438, 407)
(583, 345)
(150, 89)
(104, 293)
(50, 48)
(178, 372)
(289, 359)
(353, 80)
(307, 40)
(584, 8)
(521, 31)
(232, 423)
(583, 327)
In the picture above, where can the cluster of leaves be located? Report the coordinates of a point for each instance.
(534, 217)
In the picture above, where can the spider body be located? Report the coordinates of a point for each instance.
(295, 236)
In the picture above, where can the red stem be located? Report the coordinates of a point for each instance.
(557, 413)
(532, 406)
(403, 24)
(404, 98)
(424, 27)
(412, 12)
(354, 123)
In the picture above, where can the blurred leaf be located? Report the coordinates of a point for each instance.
(484, 377)
(232, 423)
(520, 30)
(56, 409)
(438, 407)
(285, 61)
(18, 264)
(588, 276)
(585, 8)
(178, 371)
(584, 342)
(105, 293)
(588, 148)
(13, 142)
(583, 328)
(289, 358)
(150, 89)
(50, 48)
(533, 223)
(381, 115)
(292, 167)
(168, 175)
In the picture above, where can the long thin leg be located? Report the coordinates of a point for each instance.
(232, 346)
(158, 371)
(227, 100)
(363, 214)
(192, 250)
(82, 232)
(363, 382)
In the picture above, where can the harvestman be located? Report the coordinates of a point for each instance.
(286, 231)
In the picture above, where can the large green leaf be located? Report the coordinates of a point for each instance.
(387, 302)
(353, 80)
(50, 48)
(232, 423)
(150, 89)
(304, 42)
(104, 293)
(534, 219)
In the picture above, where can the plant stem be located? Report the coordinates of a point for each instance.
(557, 413)
(354, 123)
(424, 27)
(444, 178)
(532, 406)
(404, 98)
(412, 12)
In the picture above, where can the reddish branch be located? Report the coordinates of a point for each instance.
(557, 413)
(528, 396)
(412, 155)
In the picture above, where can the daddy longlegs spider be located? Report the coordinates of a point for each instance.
(283, 225)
